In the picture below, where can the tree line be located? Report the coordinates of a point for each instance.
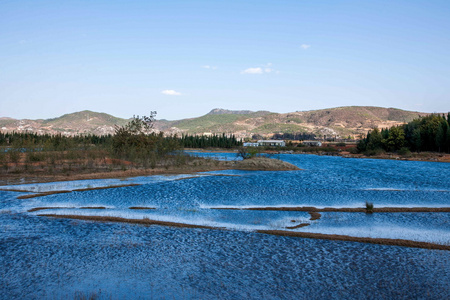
(134, 145)
(51, 142)
(430, 133)
(210, 141)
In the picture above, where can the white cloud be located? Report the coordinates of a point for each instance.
(171, 93)
(305, 46)
(260, 70)
(209, 67)
(253, 71)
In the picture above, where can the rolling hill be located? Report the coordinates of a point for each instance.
(83, 122)
(340, 121)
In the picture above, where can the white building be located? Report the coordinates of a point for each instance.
(251, 144)
(275, 143)
(312, 143)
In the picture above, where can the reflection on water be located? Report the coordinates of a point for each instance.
(55, 258)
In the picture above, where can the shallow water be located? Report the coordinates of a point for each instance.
(58, 258)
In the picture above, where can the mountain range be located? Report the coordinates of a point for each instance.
(340, 121)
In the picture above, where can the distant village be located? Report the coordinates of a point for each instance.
(280, 143)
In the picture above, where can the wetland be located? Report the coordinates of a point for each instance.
(229, 234)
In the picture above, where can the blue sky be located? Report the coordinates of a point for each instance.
(184, 58)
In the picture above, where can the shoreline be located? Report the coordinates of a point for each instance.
(321, 236)
(35, 177)
(27, 178)
(414, 156)
(253, 164)
(425, 157)
(342, 209)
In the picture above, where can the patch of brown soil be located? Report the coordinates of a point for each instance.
(140, 207)
(20, 191)
(115, 161)
(42, 194)
(48, 207)
(380, 241)
(77, 190)
(93, 207)
(298, 226)
(59, 207)
(314, 215)
(144, 221)
(105, 187)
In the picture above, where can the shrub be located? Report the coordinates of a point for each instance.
(374, 152)
(35, 157)
(353, 150)
(404, 152)
(247, 152)
(14, 155)
(369, 207)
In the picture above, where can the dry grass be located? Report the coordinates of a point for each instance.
(264, 164)
(194, 166)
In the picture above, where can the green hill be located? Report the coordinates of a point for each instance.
(339, 121)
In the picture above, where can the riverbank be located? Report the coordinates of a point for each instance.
(194, 166)
(421, 156)
(342, 151)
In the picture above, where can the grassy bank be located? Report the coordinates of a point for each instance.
(65, 169)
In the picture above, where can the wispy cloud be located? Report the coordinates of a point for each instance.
(209, 67)
(260, 70)
(252, 71)
(171, 93)
(305, 46)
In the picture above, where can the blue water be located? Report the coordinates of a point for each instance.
(58, 258)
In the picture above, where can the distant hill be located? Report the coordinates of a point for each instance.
(217, 121)
(340, 121)
(83, 122)
(221, 111)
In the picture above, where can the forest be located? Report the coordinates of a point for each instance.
(430, 133)
(210, 141)
(134, 145)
